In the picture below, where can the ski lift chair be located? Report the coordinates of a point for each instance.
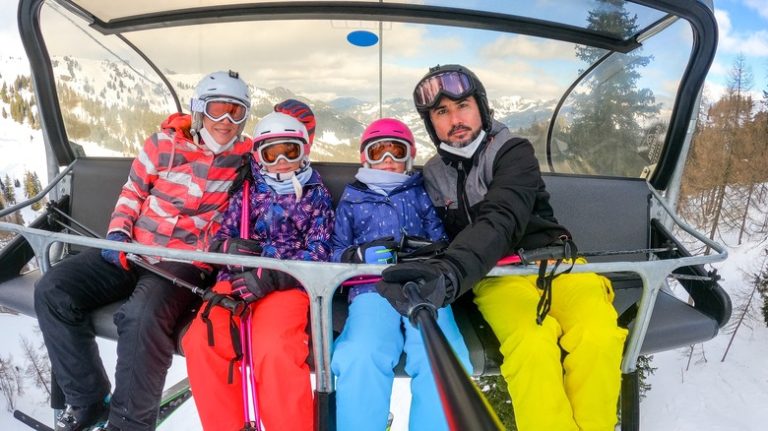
(603, 213)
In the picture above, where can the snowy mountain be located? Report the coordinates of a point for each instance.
(137, 101)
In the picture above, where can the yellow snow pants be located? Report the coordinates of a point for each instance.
(579, 393)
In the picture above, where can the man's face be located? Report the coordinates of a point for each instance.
(456, 122)
(222, 131)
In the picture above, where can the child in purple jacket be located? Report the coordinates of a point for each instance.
(386, 202)
(290, 217)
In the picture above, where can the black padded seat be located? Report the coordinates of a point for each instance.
(603, 213)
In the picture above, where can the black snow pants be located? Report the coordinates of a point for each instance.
(146, 324)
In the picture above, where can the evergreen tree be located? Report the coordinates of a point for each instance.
(32, 187)
(17, 108)
(644, 371)
(606, 134)
(37, 188)
(8, 191)
(4, 93)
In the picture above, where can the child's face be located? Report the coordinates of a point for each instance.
(283, 166)
(390, 165)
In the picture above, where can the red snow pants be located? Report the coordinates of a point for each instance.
(280, 348)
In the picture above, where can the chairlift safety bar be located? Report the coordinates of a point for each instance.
(320, 280)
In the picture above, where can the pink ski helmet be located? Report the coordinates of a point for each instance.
(388, 128)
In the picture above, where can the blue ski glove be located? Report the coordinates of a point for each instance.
(116, 257)
(437, 280)
(255, 284)
(380, 251)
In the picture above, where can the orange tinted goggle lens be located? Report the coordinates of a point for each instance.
(270, 153)
(217, 110)
(397, 149)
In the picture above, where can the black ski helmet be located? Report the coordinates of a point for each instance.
(475, 88)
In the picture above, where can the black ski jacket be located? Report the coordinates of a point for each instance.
(491, 205)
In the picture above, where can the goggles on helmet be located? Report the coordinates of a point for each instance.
(290, 150)
(377, 150)
(218, 108)
(453, 83)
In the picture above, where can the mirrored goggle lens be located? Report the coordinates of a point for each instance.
(454, 84)
(376, 151)
(291, 151)
(218, 110)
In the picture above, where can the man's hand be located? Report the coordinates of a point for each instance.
(437, 282)
(380, 251)
(116, 257)
(239, 246)
(257, 283)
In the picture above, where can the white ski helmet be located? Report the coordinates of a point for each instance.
(280, 125)
(226, 86)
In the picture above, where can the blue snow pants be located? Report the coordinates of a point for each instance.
(364, 358)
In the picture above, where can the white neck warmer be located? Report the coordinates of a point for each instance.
(466, 151)
(211, 143)
(288, 182)
(382, 182)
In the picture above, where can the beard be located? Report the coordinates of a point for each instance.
(461, 143)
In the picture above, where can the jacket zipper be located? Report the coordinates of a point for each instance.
(461, 192)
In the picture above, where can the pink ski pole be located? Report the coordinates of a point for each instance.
(248, 380)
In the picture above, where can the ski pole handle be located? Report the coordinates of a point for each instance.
(416, 303)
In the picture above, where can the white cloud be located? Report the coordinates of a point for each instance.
(526, 47)
(760, 6)
(732, 41)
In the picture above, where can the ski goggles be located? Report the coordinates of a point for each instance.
(219, 108)
(453, 83)
(376, 151)
(290, 150)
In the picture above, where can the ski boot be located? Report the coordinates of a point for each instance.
(83, 418)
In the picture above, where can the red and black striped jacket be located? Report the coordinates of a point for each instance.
(176, 191)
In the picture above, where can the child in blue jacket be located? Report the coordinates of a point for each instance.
(385, 203)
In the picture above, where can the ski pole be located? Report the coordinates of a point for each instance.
(230, 304)
(464, 405)
(233, 305)
(247, 378)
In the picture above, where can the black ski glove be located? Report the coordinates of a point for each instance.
(240, 246)
(379, 251)
(437, 280)
(257, 283)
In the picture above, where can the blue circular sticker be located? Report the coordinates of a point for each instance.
(362, 38)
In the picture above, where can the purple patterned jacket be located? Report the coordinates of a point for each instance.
(286, 229)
